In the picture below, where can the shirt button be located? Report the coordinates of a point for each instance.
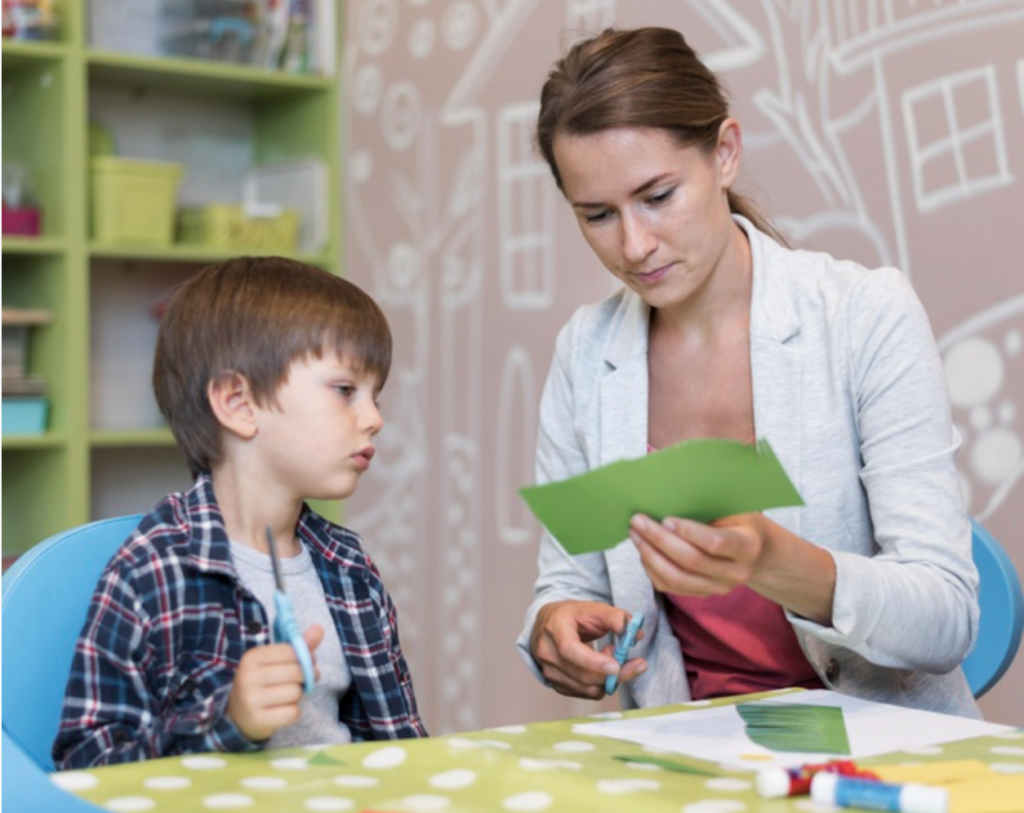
(254, 627)
(189, 686)
(121, 736)
(832, 670)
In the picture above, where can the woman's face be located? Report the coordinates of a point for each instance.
(655, 213)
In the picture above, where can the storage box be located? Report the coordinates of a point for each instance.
(224, 225)
(133, 200)
(24, 416)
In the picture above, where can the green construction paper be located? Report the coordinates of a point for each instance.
(796, 727)
(323, 758)
(669, 765)
(703, 480)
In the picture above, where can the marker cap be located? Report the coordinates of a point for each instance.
(773, 783)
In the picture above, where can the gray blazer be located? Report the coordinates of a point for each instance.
(850, 391)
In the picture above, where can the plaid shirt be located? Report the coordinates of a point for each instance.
(170, 621)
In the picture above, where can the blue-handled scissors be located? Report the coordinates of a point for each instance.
(611, 683)
(285, 629)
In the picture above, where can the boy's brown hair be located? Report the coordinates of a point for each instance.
(254, 316)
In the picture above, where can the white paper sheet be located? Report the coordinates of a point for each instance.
(717, 734)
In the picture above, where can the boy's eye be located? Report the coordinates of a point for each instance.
(345, 390)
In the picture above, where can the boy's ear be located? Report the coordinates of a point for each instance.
(233, 405)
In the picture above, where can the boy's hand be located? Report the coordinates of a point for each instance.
(268, 687)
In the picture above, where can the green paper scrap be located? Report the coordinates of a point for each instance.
(668, 765)
(703, 480)
(796, 727)
(323, 758)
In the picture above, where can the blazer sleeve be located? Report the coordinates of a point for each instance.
(561, 454)
(911, 603)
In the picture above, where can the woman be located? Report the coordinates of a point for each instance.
(722, 331)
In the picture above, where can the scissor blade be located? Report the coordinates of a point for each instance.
(273, 559)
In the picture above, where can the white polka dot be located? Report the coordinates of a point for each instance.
(607, 715)
(1007, 767)
(449, 780)
(167, 782)
(425, 803)
(389, 757)
(74, 780)
(616, 787)
(809, 806)
(574, 746)
(974, 371)
(129, 804)
(531, 764)
(329, 804)
(356, 781)
(925, 750)
(264, 782)
(995, 455)
(227, 801)
(727, 785)
(530, 801)
(510, 729)
(715, 806)
(290, 763)
(501, 746)
(1008, 750)
(203, 763)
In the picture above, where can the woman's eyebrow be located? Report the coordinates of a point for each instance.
(644, 187)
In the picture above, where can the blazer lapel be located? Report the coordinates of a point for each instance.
(776, 365)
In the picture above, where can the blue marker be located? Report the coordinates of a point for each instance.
(611, 683)
(849, 791)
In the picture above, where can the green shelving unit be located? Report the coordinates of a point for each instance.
(53, 481)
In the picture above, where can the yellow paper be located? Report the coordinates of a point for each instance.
(933, 773)
(998, 793)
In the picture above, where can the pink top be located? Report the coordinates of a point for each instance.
(737, 643)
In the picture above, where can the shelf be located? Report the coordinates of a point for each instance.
(183, 253)
(17, 53)
(33, 245)
(48, 440)
(199, 76)
(114, 438)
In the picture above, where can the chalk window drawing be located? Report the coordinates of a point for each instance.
(955, 137)
(526, 213)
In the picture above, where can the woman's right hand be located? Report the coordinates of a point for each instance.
(561, 644)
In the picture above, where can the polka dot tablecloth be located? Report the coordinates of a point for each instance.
(537, 767)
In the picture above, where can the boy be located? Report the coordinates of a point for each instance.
(267, 371)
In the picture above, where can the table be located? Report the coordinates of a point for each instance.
(542, 766)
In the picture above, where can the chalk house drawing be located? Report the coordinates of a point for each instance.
(453, 223)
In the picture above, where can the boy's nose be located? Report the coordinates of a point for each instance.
(372, 421)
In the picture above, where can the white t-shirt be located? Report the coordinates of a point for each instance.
(319, 724)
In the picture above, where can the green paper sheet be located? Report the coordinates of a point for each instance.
(703, 480)
(796, 727)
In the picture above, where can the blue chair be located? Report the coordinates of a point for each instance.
(46, 594)
(1002, 613)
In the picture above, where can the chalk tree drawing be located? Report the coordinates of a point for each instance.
(887, 131)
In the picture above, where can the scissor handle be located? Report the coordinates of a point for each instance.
(611, 683)
(286, 631)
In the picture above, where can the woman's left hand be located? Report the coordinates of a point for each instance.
(690, 558)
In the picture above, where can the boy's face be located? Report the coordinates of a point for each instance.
(318, 438)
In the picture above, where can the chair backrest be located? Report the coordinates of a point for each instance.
(46, 594)
(1002, 613)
